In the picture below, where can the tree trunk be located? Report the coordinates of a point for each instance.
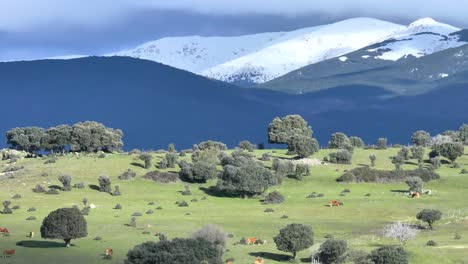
(294, 254)
(430, 225)
(67, 242)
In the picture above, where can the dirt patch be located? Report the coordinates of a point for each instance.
(310, 162)
(455, 246)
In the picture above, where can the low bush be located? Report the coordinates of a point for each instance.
(341, 157)
(269, 210)
(16, 196)
(159, 208)
(182, 204)
(431, 243)
(457, 236)
(31, 218)
(13, 168)
(86, 210)
(51, 160)
(39, 189)
(332, 251)
(118, 207)
(389, 254)
(366, 174)
(161, 177)
(150, 212)
(213, 234)
(32, 209)
(274, 197)
(320, 195)
(98, 238)
(79, 185)
(464, 171)
(266, 156)
(137, 214)
(16, 207)
(284, 216)
(127, 175)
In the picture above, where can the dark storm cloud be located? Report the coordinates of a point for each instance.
(42, 28)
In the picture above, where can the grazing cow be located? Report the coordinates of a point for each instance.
(259, 261)
(251, 240)
(31, 234)
(334, 203)
(8, 253)
(109, 252)
(4, 232)
(414, 194)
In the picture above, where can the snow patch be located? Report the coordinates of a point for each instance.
(443, 75)
(365, 56)
(343, 58)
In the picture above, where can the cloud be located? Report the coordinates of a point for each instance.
(24, 15)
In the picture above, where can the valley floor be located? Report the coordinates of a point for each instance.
(359, 220)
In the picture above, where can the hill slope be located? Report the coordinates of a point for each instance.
(155, 104)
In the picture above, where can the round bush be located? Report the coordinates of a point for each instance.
(269, 210)
(150, 212)
(98, 238)
(274, 198)
(118, 206)
(137, 214)
(32, 209)
(31, 218)
(16, 196)
(431, 243)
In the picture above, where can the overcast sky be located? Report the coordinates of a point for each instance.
(43, 28)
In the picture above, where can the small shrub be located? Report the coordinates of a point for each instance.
(66, 182)
(151, 203)
(269, 210)
(346, 191)
(149, 212)
(320, 195)
(132, 222)
(464, 171)
(213, 234)
(45, 174)
(431, 243)
(183, 204)
(161, 177)
(266, 156)
(456, 165)
(194, 200)
(39, 189)
(50, 161)
(187, 190)
(105, 184)
(116, 191)
(13, 168)
(341, 157)
(367, 194)
(137, 214)
(159, 208)
(16, 196)
(146, 232)
(274, 198)
(332, 251)
(312, 195)
(101, 155)
(163, 164)
(16, 207)
(32, 209)
(31, 218)
(127, 175)
(284, 216)
(457, 236)
(52, 191)
(79, 185)
(98, 238)
(118, 207)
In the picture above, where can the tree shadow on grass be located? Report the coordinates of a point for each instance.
(94, 187)
(55, 187)
(136, 164)
(399, 191)
(41, 244)
(270, 256)
(213, 191)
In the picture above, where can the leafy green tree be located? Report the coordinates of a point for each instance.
(171, 159)
(211, 145)
(421, 138)
(398, 161)
(404, 153)
(105, 184)
(66, 182)
(382, 143)
(177, 251)
(146, 158)
(339, 140)
(204, 171)
(463, 133)
(389, 255)
(247, 145)
(341, 157)
(301, 171)
(171, 148)
(245, 178)
(281, 130)
(451, 151)
(415, 184)
(303, 146)
(64, 223)
(372, 159)
(57, 139)
(25, 138)
(92, 136)
(418, 153)
(429, 216)
(332, 251)
(294, 238)
(356, 142)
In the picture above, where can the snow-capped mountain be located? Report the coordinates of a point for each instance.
(261, 57)
(422, 37)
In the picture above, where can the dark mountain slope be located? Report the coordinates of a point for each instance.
(155, 104)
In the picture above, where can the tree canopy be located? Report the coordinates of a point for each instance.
(64, 223)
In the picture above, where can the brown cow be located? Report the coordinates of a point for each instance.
(4, 231)
(334, 203)
(251, 240)
(109, 252)
(259, 261)
(8, 253)
(414, 195)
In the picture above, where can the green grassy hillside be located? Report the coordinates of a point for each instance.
(359, 221)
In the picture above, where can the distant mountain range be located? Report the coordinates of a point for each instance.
(259, 58)
(155, 104)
